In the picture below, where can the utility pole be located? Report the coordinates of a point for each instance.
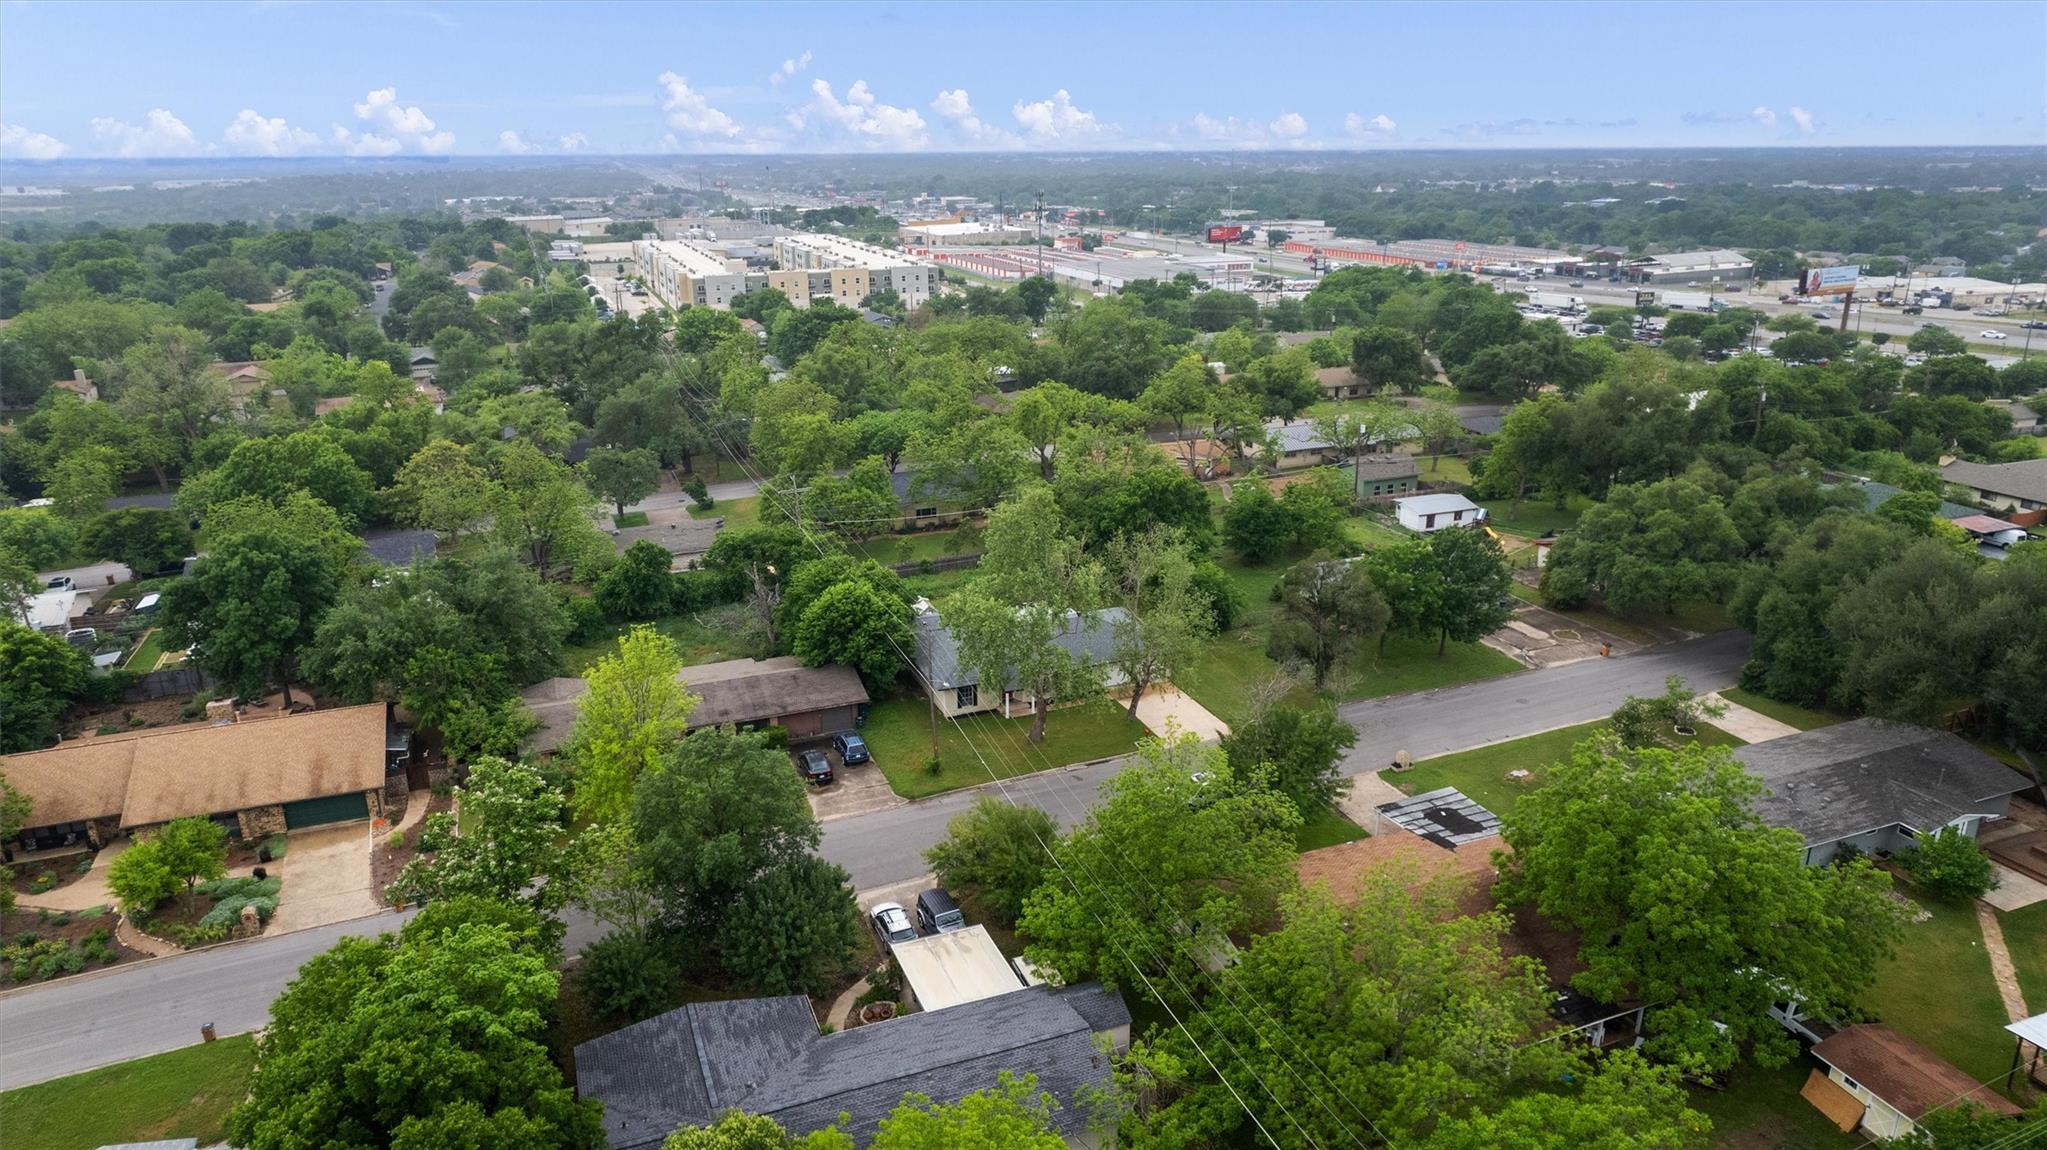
(1041, 232)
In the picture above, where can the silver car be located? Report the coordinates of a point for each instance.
(892, 924)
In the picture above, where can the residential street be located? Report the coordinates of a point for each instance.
(78, 1023)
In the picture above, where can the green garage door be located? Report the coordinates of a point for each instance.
(332, 809)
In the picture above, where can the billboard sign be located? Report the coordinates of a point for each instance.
(1832, 281)
(1225, 233)
(1645, 299)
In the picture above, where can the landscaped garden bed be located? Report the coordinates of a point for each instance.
(37, 946)
(396, 848)
(212, 912)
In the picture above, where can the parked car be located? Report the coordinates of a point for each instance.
(1913, 309)
(938, 914)
(816, 768)
(84, 638)
(61, 583)
(1986, 333)
(1577, 283)
(891, 924)
(852, 749)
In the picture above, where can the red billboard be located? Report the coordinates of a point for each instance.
(1225, 233)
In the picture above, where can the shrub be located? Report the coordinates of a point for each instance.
(197, 707)
(44, 880)
(60, 961)
(1949, 865)
(626, 975)
(693, 486)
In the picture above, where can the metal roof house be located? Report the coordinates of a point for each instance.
(1427, 514)
(765, 1056)
(1876, 785)
(957, 688)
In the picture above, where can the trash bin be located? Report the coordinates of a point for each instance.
(206, 1032)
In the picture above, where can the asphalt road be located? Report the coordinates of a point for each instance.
(127, 1012)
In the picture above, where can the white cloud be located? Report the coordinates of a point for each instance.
(512, 143)
(956, 108)
(789, 68)
(1290, 126)
(391, 121)
(1379, 125)
(254, 134)
(863, 116)
(365, 144)
(1762, 114)
(1802, 118)
(16, 140)
(690, 113)
(573, 142)
(159, 134)
(1056, 119)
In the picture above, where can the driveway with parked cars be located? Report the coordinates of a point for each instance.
(856, 790)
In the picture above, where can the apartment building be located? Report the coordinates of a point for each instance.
(854, 269)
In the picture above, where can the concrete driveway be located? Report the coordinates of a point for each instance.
(1166, 707)
(858, 790)
(326, 872)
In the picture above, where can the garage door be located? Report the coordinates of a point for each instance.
(332, 809)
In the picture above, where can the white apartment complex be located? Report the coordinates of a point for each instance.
(694, 273)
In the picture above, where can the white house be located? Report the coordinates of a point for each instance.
(957, 689)
(1431, 513)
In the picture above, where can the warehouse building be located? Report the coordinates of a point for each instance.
(1691, 267)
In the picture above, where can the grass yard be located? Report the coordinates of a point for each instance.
(2025, 936)
(1411, 664)
(630, 519)
(899, 733)
(1789, 714)
(1761, 1108)
(1481, 772)
(1371, 533)
(1444, 469)
(1326, 828)
(939, 584)
(1228, 671)
(705, 637)
(738, 514)
(1535, 516)
(146, 654)
(182, 1094)
(1938, 989)
(913, 548)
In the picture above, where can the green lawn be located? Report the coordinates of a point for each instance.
(1762, 1108)
(1229, 668)
(738, 514)
(892, 549)
(939, 584)
(143, 659)
(630, 519)
(1938, 989)
(182, 1094)
(2025, 936)
(1411, 664)
(1790, 714)
(1370, 532)
(1534, 516)
(1481, 772)
(1326, 828)
(705, 637)
(1444, 469)
(899, 733)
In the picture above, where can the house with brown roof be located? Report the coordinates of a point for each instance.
(78, 385)
(808, 702)
(1883, 1082)
(255, 776)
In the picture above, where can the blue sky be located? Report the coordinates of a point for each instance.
(283, 78)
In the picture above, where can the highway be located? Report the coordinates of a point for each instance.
(126, 1012)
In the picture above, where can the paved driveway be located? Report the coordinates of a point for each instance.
(1166, 706)
(326, 872)
(858, 790)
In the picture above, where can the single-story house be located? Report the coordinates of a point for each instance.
(1386, 473)
(1883, 1082)
(422, 364)
(398, 546)
(1875, 495)
(1876, 785)
(1342, 383)
(1431, 513)
(247, 381)
(811, 702)
(1298, 444)
(1201, 458)
(958, 690)
(255, 776)
(2024, 420)
(2019, 488)
(765, 1056)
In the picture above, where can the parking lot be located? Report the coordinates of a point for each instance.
(857, 790)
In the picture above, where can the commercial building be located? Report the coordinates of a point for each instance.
(1691, 267)
(1445, 255)
(707, 272)
(962, 234)
(854, 270)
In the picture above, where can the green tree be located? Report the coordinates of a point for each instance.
(1178, 392)
(629, 721)
(1363, 430)
(82, 481)
(1949, 865)
(1013, 1115)
(181, 854)
(251, 605)
(1681, 895)
(1404, 572)
(1471, 576)
(1649, 546)
(614, 885)
(441, 490)
(792, 930)
(855, 623)
(1173, 860)
(39, 675)
(1327, 609)
(1036, 295)
(1626, 1103)
(1300, 748)
(165, 387)
(858, 506)
(512, 847)
(1933, 339)
(713, 816)
(639, 585)
(15, 809)
(1901, 653)
(1164, 619)
(145, 539)
(271, 469)
(1255, 525)
(1390, 359)
(738, 1130)
(543, 511)
(622, 476)
(431, 1037)
(998, 853)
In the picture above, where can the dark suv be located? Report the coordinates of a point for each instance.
(816, 768)
(852, 749)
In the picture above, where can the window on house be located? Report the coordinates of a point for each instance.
(1850, 1083)
(968, 696)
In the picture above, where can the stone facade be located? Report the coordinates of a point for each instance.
(260, 823)
(100, 832)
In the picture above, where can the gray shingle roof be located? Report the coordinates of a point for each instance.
(1875, 495)
(1446, 817)
(1091, 638)
(1391, 465)
(765, 1056)
(398, 547)
(747, 690)
(2026, 479)
(1838, 781)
